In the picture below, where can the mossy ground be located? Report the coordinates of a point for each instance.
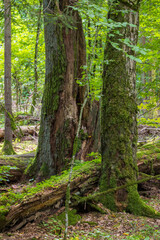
(73, 217)
(14, 196)
(149, 151)
(29, 190)
(93, 225)
(22, 147)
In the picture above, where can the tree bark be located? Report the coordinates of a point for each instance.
(7, 147)
(119, 108)
(62, 98)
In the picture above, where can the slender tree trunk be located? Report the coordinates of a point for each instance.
(7, 147)
(119, 108)
(62, 98)
(36, 60)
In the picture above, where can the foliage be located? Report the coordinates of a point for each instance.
(73, 217)
(5, 172)
(53, 225)
(95, 25)
(148, 84)
(23, 49)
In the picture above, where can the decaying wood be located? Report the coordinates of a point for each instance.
(151, 167)
(22, 131)
(53, 198)
(20, 161)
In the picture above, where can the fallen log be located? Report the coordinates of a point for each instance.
(151, 167)
(22, 131)
(52, 197)
(20, 161)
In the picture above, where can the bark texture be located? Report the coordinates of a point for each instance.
(119, 108)
(62, 98)
(7, 147)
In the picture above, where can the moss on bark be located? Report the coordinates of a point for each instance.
(119, 108)
(7, 148)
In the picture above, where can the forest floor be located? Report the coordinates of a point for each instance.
(93, 225)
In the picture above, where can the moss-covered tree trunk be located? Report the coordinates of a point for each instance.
(62, 98)
(119, 108)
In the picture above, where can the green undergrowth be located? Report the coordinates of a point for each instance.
(73, 217)
(9, 198)
(55, 228)
(5, 172)
(147, 233)
(149, 151)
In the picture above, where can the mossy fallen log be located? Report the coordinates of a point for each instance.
(85, 179)
(148, 157)
(53, 197)
(19, 161)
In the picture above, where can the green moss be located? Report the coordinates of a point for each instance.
(2, 222)
(108, 200)
(73, 217)
(3, 212)
(149, 151)
(90, 223)
(44, 170)
(7, 148)
(136, 205)
(11, 197)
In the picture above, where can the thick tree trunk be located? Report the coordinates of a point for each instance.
(119, 127)
(62, 98)
(7, 147)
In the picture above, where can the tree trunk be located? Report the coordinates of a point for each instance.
(119, 108)
(7, 147)
(62, 98)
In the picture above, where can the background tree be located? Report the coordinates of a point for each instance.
(24, 29)
(148, 84)
(7, 147)
(119, 108)
(34, 97)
